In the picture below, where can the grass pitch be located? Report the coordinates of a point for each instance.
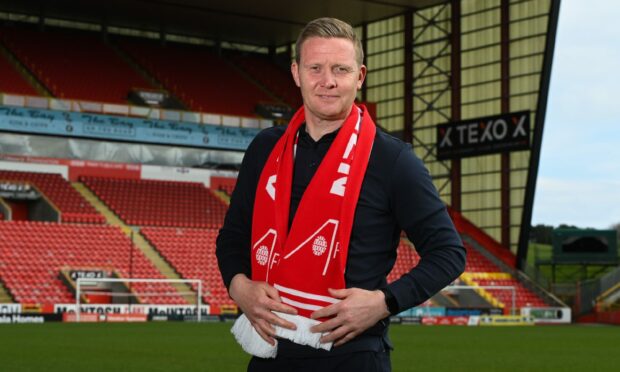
(210, 347)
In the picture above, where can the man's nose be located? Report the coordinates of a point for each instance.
(328, 79)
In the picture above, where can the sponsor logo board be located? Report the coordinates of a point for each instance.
(488, 135)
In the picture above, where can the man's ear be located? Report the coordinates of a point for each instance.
(295, 72)
(361, 77)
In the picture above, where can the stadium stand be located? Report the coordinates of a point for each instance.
(72, 207)
(34, 253)
(525, 297)
(197, 76)
(77, 65)
(12, 81)
(159, 203)
(180, 219)
(478, 263)
(192, 253)
(265, 71)
(479, 271)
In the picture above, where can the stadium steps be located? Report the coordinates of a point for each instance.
(441, 299)
(222, 195)
(609, 299)
(139, 241)
(524, 280)
(25, 72)
(110, 217)
(136, 67)
(5, 296)
(468, 280)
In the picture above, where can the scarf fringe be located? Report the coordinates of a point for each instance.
(252, 343)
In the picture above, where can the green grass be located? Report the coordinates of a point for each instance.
(210, 347)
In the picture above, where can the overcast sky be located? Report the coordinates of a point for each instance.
(579, 175)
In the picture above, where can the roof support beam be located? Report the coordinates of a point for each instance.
(455, 83)
(539, 123)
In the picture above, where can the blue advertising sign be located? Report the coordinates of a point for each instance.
(125, 129)
(424, 311)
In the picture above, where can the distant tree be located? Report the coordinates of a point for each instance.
(541, 234)
(565, 226)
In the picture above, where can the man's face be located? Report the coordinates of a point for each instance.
(328, 76)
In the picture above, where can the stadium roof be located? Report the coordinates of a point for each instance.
(264, 23)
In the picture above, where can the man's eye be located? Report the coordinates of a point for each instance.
(341, 70)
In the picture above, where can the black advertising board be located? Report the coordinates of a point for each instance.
(482, 136)
(29, 318)
(86, 274)
(18, 190)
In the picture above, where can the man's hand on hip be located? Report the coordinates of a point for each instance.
(357, 311)
(257, 300)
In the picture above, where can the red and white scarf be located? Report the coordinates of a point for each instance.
(310, 258)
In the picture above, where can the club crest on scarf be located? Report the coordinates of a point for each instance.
(310, 258)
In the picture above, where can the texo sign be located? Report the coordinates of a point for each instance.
(488, 135)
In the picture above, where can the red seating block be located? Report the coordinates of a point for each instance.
(201, 79)
(34, 253)
(12, 81)
(77, 65)
(160, 203)
(523, 296)
(192, 253)
(59, 191)
(276, 79)
(476, 262)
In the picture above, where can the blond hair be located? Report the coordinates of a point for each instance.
(330, 28)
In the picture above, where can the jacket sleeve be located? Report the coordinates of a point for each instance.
(234, 238)
(424, 217)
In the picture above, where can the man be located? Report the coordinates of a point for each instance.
(315, 220)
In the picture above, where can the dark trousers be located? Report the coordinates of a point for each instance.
(362, 361)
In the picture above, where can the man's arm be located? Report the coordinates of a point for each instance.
(423, 216)
(233, 240)
(257, 300)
